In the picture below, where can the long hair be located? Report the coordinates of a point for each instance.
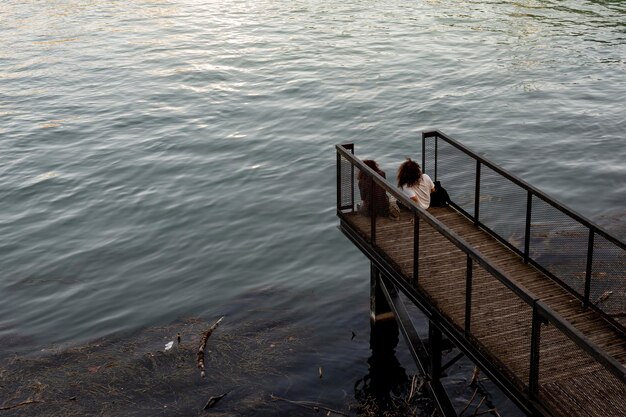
(409, 173)
(372, 164)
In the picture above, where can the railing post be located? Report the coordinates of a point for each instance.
(372, 209)
(424, 151)
(535, 344)
(477, 194)
(529, 207)
(352, 179)
(436, 155)
(416, 245)
(468, 296)
(338, 181)
(588, 270)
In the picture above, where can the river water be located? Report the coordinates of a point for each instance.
(166, 159)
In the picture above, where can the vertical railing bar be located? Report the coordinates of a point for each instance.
(352, 182)
(416, 250)
(436, 155)
(529, 207)
(338, 181)
(372, 210)
(477, 193)
(424, 151)
(588, 270)
(468, 296)
(535, 344)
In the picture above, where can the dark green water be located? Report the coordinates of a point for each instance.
(164, 159)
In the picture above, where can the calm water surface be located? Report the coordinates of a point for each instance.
(161, 159)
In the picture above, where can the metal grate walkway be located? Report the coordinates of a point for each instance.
(544, 321)
(571, 383)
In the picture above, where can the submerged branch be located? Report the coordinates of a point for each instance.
(10, 407)
(205, 338)
(310, 405)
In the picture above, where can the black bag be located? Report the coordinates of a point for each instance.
(439, 197)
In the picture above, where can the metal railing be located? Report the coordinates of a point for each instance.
(581, 256)
(527, 379)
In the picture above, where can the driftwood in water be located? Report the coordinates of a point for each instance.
(310, 405)
(605, 295)
(213, 400)
(469, 402)
(478, 406)
(491, 411)
(205, 337)
(475, 375)
(414, 388)
(23, 403)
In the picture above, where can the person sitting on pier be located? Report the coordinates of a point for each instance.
(376, 202)
(416, 185)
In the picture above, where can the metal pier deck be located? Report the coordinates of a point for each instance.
(530, 315)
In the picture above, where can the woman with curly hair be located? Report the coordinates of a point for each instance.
(416, 185)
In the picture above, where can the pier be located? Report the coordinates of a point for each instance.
(529, 290)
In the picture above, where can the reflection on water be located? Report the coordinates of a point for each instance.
(386, 388)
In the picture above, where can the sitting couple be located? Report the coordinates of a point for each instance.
(415, 185)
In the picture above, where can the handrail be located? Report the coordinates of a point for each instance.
(518, 181)
(455, 239)
(592, 229)
(538, 306)
(612, 365)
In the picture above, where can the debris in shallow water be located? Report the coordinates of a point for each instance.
(475, 375)
(178, 338)
(205, 338)
(169, 345)
(132, 367)
(10, 407)
(310, 405)
(213, 400)
(604, 296)
(414, 388)
(469, 402)
(490, 411)
(478, 406)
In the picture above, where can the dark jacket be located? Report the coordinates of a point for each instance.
(378, 200)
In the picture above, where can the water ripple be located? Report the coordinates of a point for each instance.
(159, 158)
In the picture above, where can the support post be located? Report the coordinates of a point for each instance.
(434, 348)
(379, 306)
